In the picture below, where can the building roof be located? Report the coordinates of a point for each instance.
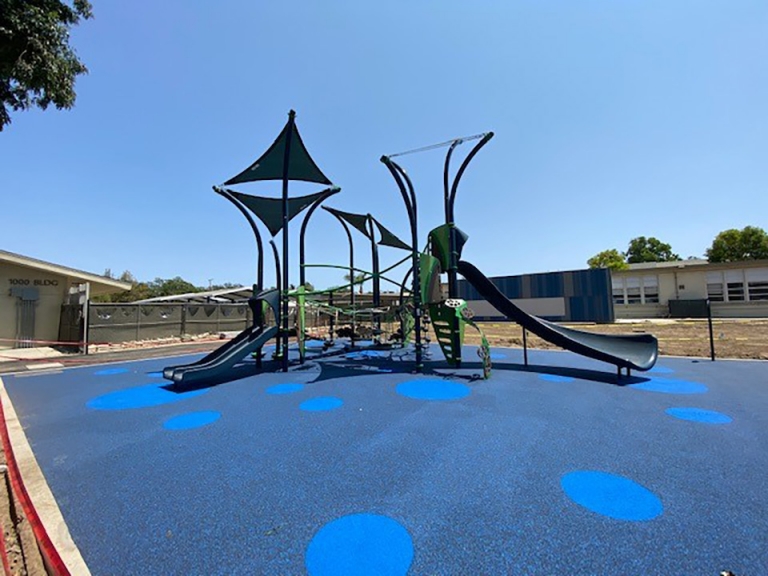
(224, 295)
(99, 284)
(692, 263)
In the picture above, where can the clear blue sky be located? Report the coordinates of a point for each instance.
(612, 120)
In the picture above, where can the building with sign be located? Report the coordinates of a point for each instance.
(33, 292)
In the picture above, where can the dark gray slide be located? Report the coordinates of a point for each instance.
(220, 361)
(638, 351)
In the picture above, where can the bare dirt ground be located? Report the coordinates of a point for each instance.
(747, 339)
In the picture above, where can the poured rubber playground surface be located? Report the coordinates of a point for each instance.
(352, 464)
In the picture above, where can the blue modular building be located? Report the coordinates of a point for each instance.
(572, 296)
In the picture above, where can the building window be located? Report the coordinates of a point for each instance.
(636, 290)
(757, 284)
(715, 287)
(618, 291)
(734, 282)
(650, 290)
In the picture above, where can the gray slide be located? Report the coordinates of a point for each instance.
(638, 351)
(216, 364)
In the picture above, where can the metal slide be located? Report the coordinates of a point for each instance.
(638, 351)
(223, 359)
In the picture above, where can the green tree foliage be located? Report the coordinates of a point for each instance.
(357, 278)
(642, 249)
(750, 243)
(155, 288)
(612, 259)
(37, 65)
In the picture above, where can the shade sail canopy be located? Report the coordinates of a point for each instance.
(270, 210)
(270, 166)
(388, 238)
(359, 221)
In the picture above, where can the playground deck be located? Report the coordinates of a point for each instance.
(354, 463)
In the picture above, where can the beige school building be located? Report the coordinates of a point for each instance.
(735, 289)
(32, 293)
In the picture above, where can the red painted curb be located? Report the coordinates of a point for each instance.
(51, 557)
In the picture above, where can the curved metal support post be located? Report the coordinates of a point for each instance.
(279, 284)
(463, 167)
(286, 163)
(450, 199)
(409, 197)
(376, 272)
(351, 271)
(260, 263)
(302, 233)
(402, 299)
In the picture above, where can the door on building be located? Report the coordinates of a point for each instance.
(26, 304)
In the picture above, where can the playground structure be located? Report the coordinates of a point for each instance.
(286, 160)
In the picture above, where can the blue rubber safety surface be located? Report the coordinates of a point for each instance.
(358, 466)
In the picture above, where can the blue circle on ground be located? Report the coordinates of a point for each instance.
(498, 356)
(670, 386)
(611, 495)
(285, 388)
(321, 404)
(699, 415)
(660, 370)
(555, 378)
(432, 389)
(361, 354)
(111, 371)
(365, 544)
(155, 374)
(191, 420)
(139, 397)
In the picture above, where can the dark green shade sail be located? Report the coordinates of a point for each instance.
(270, 165)
(388, 238)
(359, 221)
(270, 210)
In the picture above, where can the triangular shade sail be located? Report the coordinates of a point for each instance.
(388, 238)
(270, 210)
(270, 165)
(359, 221)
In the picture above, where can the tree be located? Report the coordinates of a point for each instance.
(172, 286)
(612, 259)
(749, 243)
(642, 249)
(357, 278)
(37, 65)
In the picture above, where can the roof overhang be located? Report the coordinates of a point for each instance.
(99, 284)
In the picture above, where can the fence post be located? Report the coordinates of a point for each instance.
(711, 336)
(183, 319)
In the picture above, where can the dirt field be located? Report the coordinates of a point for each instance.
(733, 338)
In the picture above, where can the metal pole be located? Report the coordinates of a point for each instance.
(376, 279)
(303, 231)
(284, 296)
(409, 197)
(525, 347)
(259, 247)
(351, 272)
(278, 282)
(711, 335)
(450, 200)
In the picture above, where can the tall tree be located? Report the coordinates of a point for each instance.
(38, 67)
(749, 243)
(612, 259)
(357, 278)
(642, 249)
